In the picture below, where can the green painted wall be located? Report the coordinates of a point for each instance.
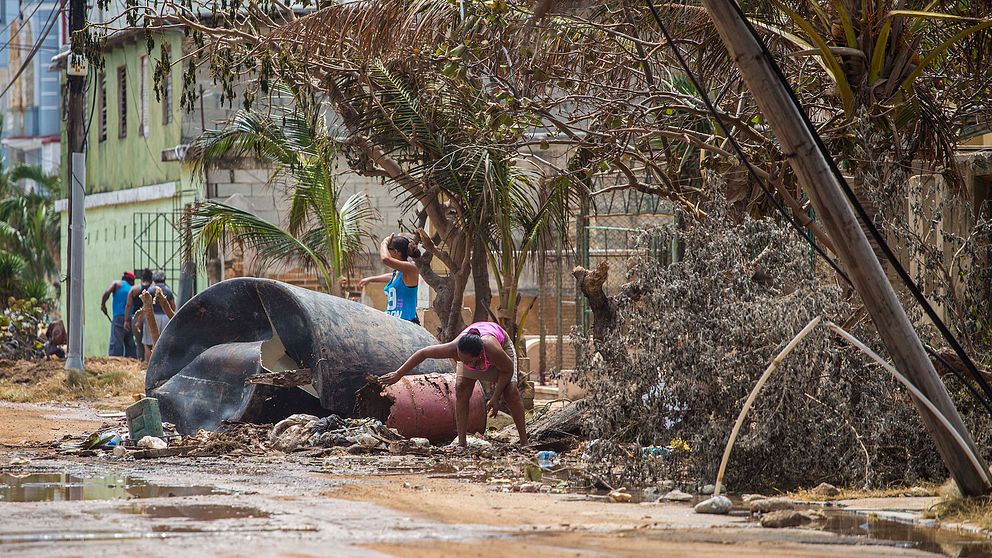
(109, 252)
(119, 163)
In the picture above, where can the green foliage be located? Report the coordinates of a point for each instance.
(20, 328)
(36, 289)
(11, 268)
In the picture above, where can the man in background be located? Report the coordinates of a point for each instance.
(121, 341)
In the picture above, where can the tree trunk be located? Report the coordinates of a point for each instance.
(603, 308)
(480, 278)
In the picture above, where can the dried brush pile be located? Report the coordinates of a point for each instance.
(693, 337)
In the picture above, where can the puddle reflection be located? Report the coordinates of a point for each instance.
(54, 487)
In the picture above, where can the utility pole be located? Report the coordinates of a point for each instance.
(856, 255)
(76, 106)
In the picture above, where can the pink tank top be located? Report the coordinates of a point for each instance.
(488, 328)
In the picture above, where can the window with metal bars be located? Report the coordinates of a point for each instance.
(101, 100)
(122, 101)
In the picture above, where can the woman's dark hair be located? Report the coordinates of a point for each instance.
(471, 342)
(146, 275)
(405, 247)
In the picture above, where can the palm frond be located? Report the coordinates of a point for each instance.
(217, 222)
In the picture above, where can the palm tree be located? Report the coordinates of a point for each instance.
(29, 224)
(324, 233)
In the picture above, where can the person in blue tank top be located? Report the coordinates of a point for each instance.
(395, 252)
(121, 341)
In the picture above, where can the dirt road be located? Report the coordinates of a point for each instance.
(307, 505)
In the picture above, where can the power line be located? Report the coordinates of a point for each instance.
(37, 46)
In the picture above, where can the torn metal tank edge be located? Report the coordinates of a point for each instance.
(421, 407)
(246, 326)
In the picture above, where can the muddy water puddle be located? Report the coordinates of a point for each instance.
(903, 535)
(56, 487)
(195, 512)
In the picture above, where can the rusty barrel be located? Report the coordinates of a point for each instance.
(422, 407)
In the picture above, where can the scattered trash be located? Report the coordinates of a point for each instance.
(234, 438)
(719, 505)
(828, 490)
(789, 518)
(534, 472)
(655, 451)
(546, 459)
(101, 440)
(290, 433)
(151, 442)
(621, 496)
(677, 496)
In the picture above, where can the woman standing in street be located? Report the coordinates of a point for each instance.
(395, 252)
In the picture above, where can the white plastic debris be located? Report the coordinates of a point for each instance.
(151, 442)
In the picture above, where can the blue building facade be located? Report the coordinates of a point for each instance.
(32, 106)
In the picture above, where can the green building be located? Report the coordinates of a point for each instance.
(136, 186)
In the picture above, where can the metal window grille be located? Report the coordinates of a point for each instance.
(158, 243)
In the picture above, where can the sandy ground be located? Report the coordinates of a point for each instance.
(296, 507)
(31, 423)
(575, 525)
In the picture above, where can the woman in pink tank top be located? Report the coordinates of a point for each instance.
(484, 351)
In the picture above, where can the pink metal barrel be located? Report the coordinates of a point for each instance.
(422, 407)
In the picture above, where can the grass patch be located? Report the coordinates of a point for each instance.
(954, 508)
(38, 381)
(923, 489)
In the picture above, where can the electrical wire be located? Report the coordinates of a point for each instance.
(37, 46)
(866, 219)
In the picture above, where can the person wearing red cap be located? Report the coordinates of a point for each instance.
(121, 341)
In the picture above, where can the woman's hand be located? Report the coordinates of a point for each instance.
(389, 379)
(362, 282)
(492, 407)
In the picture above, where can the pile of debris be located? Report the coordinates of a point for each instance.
(234, 438)
(355, 435)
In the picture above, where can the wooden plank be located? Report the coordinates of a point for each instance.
(283, 378)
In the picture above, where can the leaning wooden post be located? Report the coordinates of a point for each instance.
(824, 191)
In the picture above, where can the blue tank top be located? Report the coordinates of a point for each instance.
(120, 298)
(401, 301)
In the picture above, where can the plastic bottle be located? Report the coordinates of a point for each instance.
(546, 458)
